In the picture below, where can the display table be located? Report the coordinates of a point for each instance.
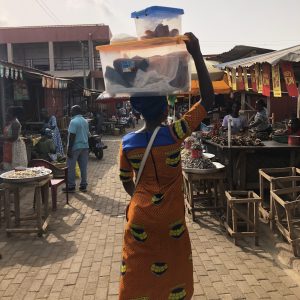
(243, 162)
(41, 198)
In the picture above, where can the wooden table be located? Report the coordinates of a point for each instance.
(41, 195)
(243, 162)
(206, 177)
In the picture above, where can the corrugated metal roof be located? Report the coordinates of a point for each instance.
(291, 54)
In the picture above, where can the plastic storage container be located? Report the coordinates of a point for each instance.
(158, 21)
(159, 66)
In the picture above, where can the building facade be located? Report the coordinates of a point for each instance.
(62, 51)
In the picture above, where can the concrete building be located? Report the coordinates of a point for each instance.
(63, 51)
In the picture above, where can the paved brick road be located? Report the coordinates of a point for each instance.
(79, 257)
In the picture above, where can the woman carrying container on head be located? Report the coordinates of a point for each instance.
(157, 256)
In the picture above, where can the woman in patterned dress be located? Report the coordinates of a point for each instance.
(157, 256)
(50, 122)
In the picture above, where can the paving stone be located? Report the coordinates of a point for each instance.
(80, 256)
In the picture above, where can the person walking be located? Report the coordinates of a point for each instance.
(157, 256)
(78, 149)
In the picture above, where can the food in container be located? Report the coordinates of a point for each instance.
(158, 21)
(153, 67)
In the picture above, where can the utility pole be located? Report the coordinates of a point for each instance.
(83, 64)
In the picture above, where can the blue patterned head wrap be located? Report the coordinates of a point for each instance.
(150, 107)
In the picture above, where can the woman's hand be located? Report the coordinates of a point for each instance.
(192, 44)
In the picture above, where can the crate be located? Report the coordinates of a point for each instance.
(286, 203)
(242, 211)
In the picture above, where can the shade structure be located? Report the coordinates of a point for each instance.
(220, 87)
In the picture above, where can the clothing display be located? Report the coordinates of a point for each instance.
(157, 257)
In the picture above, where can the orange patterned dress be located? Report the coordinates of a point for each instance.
(157, 257)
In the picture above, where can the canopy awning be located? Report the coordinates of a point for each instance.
(69, 73)
(291, 54)
(220, 87)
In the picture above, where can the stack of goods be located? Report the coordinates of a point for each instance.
(280, 136)
(237, 141)
(156, 64)
(191, 156)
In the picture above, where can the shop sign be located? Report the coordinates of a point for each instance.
(234, 83)
(20, 91)
(229, 77)
(289, 78)
(246, 79)
(253, 80)
(276, 81)
(266, 90)
(240, 80)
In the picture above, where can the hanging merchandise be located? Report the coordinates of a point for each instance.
(234, 85)
(240, 80)
(276, 81)
(12, 73)
(266, 90)
(16, 74)
(289, 78)
(44, 81)
(229, 77)
(60, 84)
(21, 74)
(7, 72)
(171, 100)
(1, 71)
(245, 79)
(253, 80)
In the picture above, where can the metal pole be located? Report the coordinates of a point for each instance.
(2, 102)
(83, 63)
(189, 101)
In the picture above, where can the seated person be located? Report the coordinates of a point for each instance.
(239, 123)
(261, 120)
(294, 126)
(45, 146)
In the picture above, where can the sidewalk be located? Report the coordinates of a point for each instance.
(79, 258)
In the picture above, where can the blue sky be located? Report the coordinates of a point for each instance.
(219, 24)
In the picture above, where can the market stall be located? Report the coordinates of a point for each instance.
(243, 162)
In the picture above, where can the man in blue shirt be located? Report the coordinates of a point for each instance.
(78, 149)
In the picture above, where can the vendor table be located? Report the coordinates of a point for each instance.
(41, 195)
(204, 177)
(243, 162)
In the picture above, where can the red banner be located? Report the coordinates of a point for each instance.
(289, 78)
(266, 91)
(240, 80)
(253, 80)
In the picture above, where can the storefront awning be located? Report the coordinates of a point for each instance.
(70, 73)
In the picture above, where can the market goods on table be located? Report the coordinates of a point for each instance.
(26, 174)
(197, 163)
(158, 21)
(237, 141)
(158, 66)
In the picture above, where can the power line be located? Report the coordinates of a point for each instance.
(47, 10)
